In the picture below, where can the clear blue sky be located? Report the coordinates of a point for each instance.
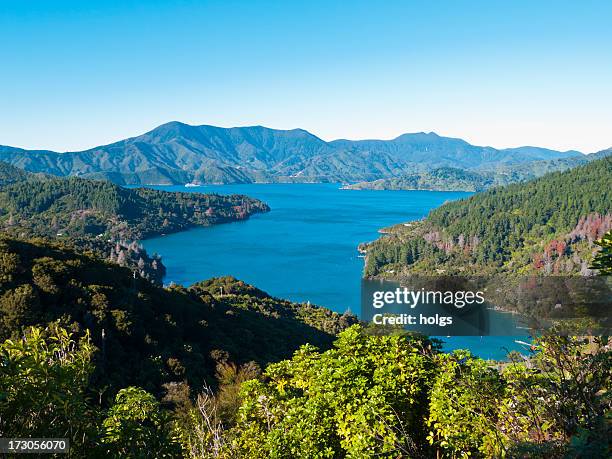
(81, 73)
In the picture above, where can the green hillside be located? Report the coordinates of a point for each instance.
(547, 225)
(367, 396)
(11, 174)
(106, 219)
(50, 206)
(441, 179)
(166, 335)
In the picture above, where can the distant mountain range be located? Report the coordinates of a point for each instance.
(176, 153)
(453, 179)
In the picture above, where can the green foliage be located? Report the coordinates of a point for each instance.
(203, 427)
(462, 412)
(242, 296)
(365, 397)
(555, 404)
(368, 396)
(11, 174)
(44, 378)
(46, 391)
(395, 396)
(137, 427)
(603, 259)
(553, 204)
(18, 306)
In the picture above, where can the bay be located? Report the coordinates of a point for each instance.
(305, 248)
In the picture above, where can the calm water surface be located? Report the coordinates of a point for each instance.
(305, 248)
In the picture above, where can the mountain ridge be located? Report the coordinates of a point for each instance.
(177, 153)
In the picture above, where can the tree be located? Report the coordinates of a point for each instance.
(603, 259)
(18, 306)
(365, 397)
(463, 406)
(557, 403)
(137, 427)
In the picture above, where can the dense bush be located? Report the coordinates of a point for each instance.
(368, 396)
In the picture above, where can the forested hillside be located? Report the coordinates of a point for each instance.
(107, 219)
(11, 174)
(147, 335)
(548, 225)
(441, 179)
(53, 206)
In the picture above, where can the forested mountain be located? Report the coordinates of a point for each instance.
(68, 207)
(601, 154)
(180, 153)
(547, 225)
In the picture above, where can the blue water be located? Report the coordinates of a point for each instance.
(305, 248)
